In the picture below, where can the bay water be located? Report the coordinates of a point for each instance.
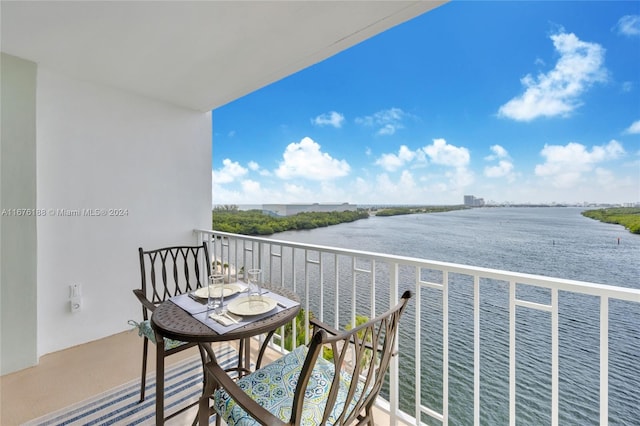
(556, 242)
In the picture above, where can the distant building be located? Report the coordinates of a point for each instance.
(292, 209)
(471, 201)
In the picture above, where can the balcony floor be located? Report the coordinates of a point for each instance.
(72, 375)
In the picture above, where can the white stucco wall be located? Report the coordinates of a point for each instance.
(18, 235)
(101, 148)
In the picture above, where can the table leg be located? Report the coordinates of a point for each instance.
(247, 353)
(159, 380)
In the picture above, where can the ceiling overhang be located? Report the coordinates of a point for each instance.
(195, 54)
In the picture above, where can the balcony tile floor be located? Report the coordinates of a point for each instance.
(74, 374)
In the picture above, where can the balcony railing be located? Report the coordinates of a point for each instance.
(476, 345)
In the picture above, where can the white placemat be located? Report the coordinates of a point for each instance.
(283, 303)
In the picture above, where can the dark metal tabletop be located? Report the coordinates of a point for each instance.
(173, 322)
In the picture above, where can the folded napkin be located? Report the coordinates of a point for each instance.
(225, 319)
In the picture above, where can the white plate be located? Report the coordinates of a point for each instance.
(229, 289)
(251, 306)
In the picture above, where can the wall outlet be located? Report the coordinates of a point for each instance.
(75, 303)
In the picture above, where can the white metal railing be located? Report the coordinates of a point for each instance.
(336, 284)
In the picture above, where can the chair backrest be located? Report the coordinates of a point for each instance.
(169, 271)
(361, 356)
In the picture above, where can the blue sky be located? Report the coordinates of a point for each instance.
(508, 101)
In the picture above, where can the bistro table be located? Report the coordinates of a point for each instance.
(170, 321)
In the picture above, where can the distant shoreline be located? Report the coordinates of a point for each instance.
(254, 222)
(629, 217)
(396, 211)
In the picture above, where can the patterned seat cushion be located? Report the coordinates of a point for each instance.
(144, 329)
(273, 387)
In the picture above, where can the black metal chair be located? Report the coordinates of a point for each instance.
(167, 272)
(334, 380)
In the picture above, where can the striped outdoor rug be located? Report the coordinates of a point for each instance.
(119, 406)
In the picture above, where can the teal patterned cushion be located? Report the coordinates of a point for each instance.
(273, 387)
(144, 329)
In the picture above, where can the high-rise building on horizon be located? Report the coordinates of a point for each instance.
(472, 201)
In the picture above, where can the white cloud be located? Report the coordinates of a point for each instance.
(440, 152)
(229, 172)
(332, 118)
(306, 160)
(388, 191)
(384, 185)
(634, 129)
(221, 195)
(498, 152)
(251, 192)
(457, 158)
(408, 188)
(388, 129)
(362, 186)
(251, 186)
(392, 162)
(255, 167)
(443, 182)
(605, 177)
(565, 166)
(504, 168)
(460, 177)
(557, 93)
(406, 180)
(629, 25)
(228, 193)
(387, 121)
(297, 192)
